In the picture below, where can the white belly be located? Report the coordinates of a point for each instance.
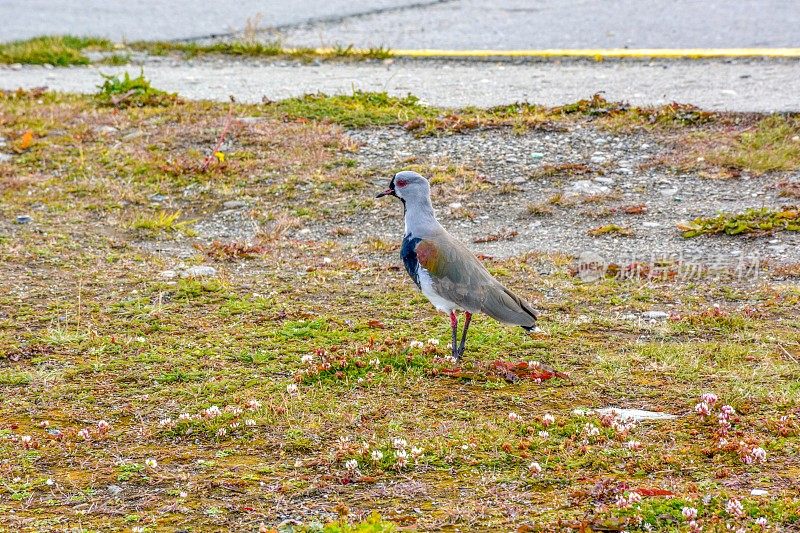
(426, 284)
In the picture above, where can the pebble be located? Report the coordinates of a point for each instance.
(132, 135)
(655, 315)
(250, 120)
(635, 414)
(604, 180)
(537, 155)
(199, 271)
(4, 157)
(168, 274)
(24, 219)
(455, 205)
(668, 192)
(234, 204)
(759, 492)
(158, 198)
(105, 129)
(586, 187)
(651, 224)
(114, 489)
(598, 159)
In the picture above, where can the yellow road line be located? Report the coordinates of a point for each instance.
(665, 53)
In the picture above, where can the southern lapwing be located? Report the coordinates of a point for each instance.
(444, 270)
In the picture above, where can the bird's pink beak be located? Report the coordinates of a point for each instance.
(387, 192)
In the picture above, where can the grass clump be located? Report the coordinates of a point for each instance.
(124, 91)
(762, 220)
(611, 229)
(772, 145)
(358, 110)
(163, 222)
(59, 51)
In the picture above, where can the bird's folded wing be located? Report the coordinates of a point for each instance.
(459, 277)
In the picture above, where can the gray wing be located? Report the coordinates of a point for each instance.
(463, 280)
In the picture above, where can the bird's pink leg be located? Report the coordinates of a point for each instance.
(467, 318)
(454, 327)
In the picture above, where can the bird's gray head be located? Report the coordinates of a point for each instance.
(409, 187)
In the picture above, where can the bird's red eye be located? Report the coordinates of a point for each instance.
(401, 183)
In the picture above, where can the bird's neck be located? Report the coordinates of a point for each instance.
(420, 218)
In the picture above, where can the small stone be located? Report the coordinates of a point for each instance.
(586, 187)
(24, 219)
(455, 205)
(651, 224)
(599, 141)
(234, 204)
(598, 159)
(16, 66)
(537, 155)
(759, 492)
(668, 192)
(628, 316)
(199, 271)
(158, 198)
(644, 146)
(604, 180)
(168, 274)
(47, 66)
(655, 315)
(4, 157)
(105, 129)
(132, 135)
(114, 489)
(250, 120)
(635, 414)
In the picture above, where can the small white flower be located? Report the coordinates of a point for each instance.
(103, 426)
(633, 444)
(416, 452)
(534, 365)
(137, 529)
(165, 422)
(212, 412)
(728, 410)
(184, 416)
(734, 508)
(761, 521)
(702, 409)
(535, 468)
(415, 344)
(221, 432)
(514, 417)
(234, 409)
(351, 465)
(759, 454)
(253, 404)
(250, 422)
(376, 455)
(84, 434)
(433, 342)
(634, 497)
(291, 388)
(544, 434)
(183, 494)
(689, 513)
(709, 397)
(402, 457)
(151, 463)
(399, 443)
(50, 482)
(548, 420)
(375, 362)
(722, 442)
(591, 430)
(307, 359)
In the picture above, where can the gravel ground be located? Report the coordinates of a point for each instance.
(751, 85)
(509, 161)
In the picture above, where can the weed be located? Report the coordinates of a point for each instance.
(124, 91)
(773, 144)
(611, 229)
(760, 221)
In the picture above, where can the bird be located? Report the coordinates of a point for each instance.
(445, 271)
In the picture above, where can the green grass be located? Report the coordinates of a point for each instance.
(58, 51)
(163, 222)
(773, 144)
(761, 220)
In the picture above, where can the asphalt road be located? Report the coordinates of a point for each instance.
(443, 24)
(717, 85)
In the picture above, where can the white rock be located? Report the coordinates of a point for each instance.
(199, 271)
(587, 187)
(598, 159)
(168, 274)
(651, 224)
(635, 414)
(604, 180)
(455, 205)
(5, 157)
(655, 315)
(759, 492)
